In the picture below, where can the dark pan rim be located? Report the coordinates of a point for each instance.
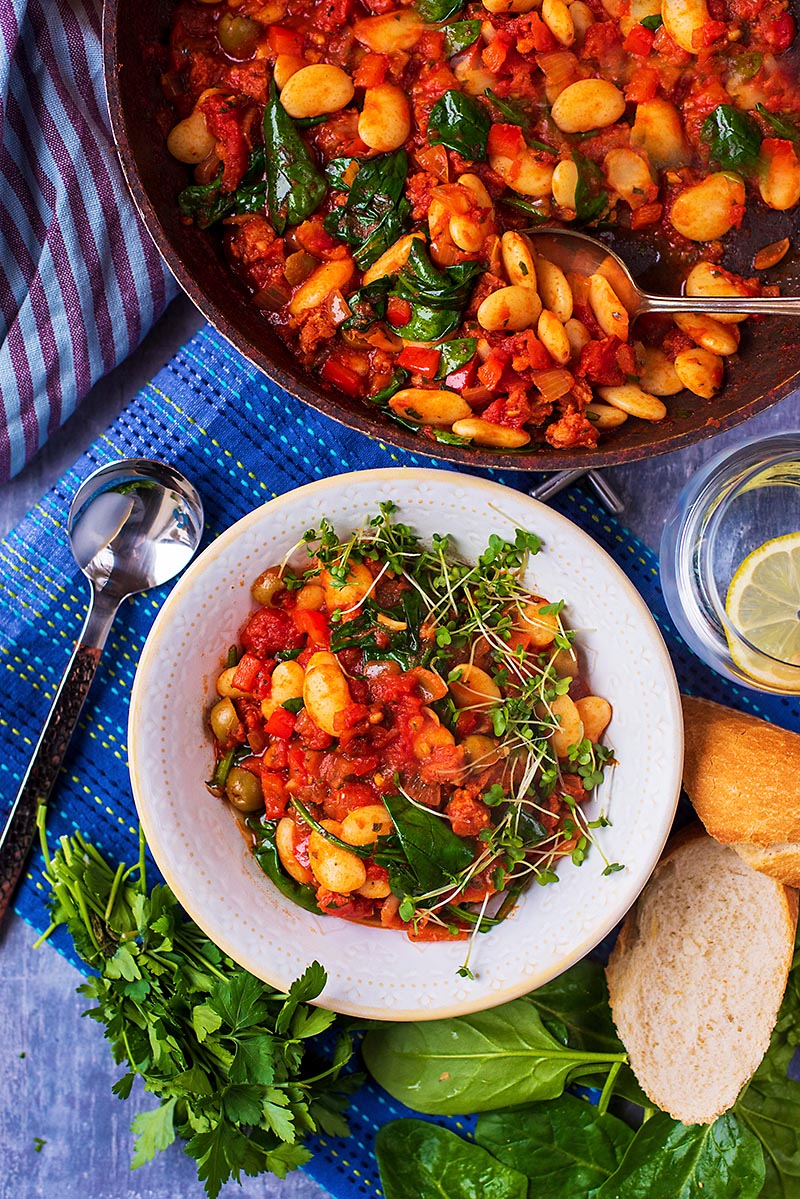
(544, 459)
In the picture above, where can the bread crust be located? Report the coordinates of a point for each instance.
(781, 861)
(642, 985)
(741, 774)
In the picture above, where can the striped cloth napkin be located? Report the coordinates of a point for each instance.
(80, 281)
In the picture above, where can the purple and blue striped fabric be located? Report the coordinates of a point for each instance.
(80, 281)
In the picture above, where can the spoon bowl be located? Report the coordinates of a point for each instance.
(584, 255)
(132, 525)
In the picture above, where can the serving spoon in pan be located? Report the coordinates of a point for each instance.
(133, 525)
(586, 255)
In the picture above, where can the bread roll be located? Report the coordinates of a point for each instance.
(697, 976)
(743, 778)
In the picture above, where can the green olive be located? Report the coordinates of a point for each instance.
(224, 720)
(238, 36)
(244, 790)
(267, 586)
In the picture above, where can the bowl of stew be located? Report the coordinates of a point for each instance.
(344, 189)
(443, 766)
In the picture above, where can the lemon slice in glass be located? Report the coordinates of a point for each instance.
(763, 603)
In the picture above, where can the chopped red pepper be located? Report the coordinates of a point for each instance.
(275, 794)
(315, 624)
(285, 41)
(398, 311)
(464, 376)
(639, 41)
(371, 70)
(490, 373)
(246, 672)
(281, 723)
(643, 85)
(646, 216)
(341, 376)
(422, 360)
(780, 33)
(506, 141)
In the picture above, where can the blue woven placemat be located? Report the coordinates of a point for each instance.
(241, 441)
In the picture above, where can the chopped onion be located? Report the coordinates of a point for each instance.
(553, 384)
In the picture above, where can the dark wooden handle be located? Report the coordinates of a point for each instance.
(20, 828)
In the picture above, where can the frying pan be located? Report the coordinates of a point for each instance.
(766, 370)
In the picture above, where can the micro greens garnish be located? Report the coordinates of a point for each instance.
(450, 608)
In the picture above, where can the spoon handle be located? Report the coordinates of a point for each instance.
(750, 305)
(19, 829)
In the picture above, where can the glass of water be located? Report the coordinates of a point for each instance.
(730, 564)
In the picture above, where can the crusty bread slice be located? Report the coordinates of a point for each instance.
(743, 778)
(698, 974)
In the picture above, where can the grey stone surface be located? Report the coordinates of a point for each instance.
(56, 1071)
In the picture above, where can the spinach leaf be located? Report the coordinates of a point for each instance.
(575, 1008)
(375, 212)
(206, 203)
(435, 855)
(770, 1111)
(459, 36)
(336, 171)
(367, 305)
(398, 380)
(488, 1060)
(653, 22)
(564, 1144)
(456, 353)
(668, 1160)
(421, 1161)
(733, 137)
(434, 11)
(295, 188)
(460, 123)
(265, 853)
(437, 297)
(532, 208)
(783, 128)
(591, 200)
(516, 116)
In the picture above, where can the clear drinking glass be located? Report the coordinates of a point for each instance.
(730, 564)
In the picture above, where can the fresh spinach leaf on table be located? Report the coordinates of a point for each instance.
(575, 1008)
(460, 123)
(437, 297)
(488, 1060)
(206, 203)
(669, 1160)
(563, 1144)
(733, 138)
(295, 188)
(460, 36)
(375, 212)
(422, 1161)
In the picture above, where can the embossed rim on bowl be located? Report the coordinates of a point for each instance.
(375, 973)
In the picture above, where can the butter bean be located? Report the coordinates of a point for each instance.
(588, 104)
(558, 20)
(710, 334)
(683, 19)
(570, 727)
(334, 868)
(518, 260)
(385, 120)
(349, 593)
(658, 130)
(286, 65)
(474, 689)
(330, 276)
(509, 6)
(528, 174)
(553, 336)
(565, 181)
(392, 259)
(700, 371)
(554, 289)
(708, 210)
(190, 141)
(604, 416)
(629, 175)
(400, 30)
(611, 313)
(509, 309)
(285, 841)
(485, 432)
(708, 279)
(633, 400)
(286, 682)
(578, 335)
(364, 825)
(316, 90)
(325, 692)
(424, 407)
(595, 714)
(658, 373)
(779, 177)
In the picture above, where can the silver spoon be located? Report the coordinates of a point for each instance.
(586, 255)
(133, 525)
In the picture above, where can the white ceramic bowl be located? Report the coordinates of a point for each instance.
(374, 972)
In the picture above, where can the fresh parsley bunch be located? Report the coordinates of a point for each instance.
(224, 1052)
